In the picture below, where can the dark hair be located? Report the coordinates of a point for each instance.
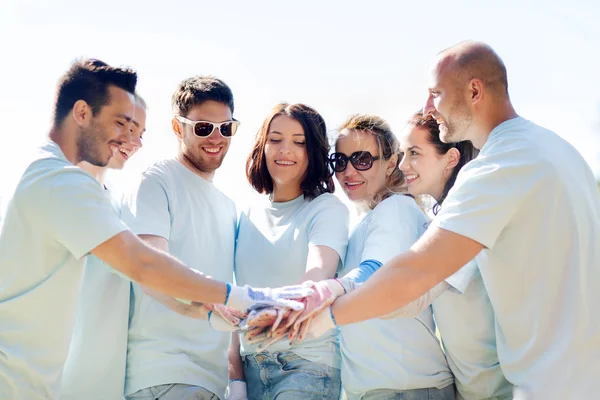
(466, 149)
(88, 80)
(198, 89)
(318, 178)
(388, 146)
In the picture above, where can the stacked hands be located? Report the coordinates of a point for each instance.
(285, 313)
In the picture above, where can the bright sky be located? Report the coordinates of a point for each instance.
(341, 57)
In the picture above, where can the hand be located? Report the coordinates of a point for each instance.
(237, 390)
(223, 318)
(312, 328)
(245, 298)
(324, 294)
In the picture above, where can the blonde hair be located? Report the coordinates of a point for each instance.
(388, 146)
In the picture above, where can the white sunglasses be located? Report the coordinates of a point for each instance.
(205, 128)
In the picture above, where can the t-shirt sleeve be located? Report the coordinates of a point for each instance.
(146, 208)
(395, 225)
(329, 225)
(486, 196)
(72, 207)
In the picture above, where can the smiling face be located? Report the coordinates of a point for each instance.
(423, 167)
(100, 135)
(285, 152)
(206, 154)
(361, 185)
(447, 103)
(129, 148)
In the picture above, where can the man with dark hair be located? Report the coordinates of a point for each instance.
(95, 366)
(57, 214)
(177, 209)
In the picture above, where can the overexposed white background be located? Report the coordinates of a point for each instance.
(340, 57)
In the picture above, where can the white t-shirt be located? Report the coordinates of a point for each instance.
(398, 353)
(200, 223)
(467, 327)
(532, 201)
(272, 248)
(57, 214)
(95, 366)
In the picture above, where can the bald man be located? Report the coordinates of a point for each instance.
(528, 210)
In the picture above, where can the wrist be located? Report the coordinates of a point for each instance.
(237, 389)
(336, 287)
(235, 297)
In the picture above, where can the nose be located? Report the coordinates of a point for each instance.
(429, 108)
(215, 136)
(404, 165)
(284, 148)
(350, 170)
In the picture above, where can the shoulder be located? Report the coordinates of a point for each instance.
(55, 176)
(162, 169)
(328, 203)
(397, 205)
(326, 200)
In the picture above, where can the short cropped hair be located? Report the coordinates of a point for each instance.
(89, 80)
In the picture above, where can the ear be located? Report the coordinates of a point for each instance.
(476, 90)
(391, 165)
(453, 157)
(176, 128)
(82, 112)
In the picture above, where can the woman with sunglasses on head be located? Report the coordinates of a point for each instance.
(298, 232)
(464, 316)
(396, 358)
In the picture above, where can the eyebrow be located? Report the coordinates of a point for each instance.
(137, 124)
(125, 117)
(295, 134)
(414, 147)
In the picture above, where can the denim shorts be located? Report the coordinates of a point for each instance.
(173, 391)
(287, 376)
(446, 393)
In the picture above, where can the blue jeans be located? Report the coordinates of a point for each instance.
(446, 393)
(287, 376)
(173, 391)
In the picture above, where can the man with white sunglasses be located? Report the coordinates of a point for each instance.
(177, 209)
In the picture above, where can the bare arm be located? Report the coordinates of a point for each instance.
(234, 367)
(157, 270)
(435, 256)
(321, 263)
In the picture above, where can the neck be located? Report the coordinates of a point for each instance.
(189, 165)
(437, 193)
(283, 193)
(64, 138)
(97, 172)
(497, 114)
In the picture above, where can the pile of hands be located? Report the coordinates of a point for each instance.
(288, 313)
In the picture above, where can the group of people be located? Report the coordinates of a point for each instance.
(104, 298)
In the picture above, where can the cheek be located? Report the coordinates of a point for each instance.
(269, 151)
(302, 156)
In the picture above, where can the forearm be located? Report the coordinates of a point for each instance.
(162, 272)
(321, 264)
(194, 310)
(359, 275)
(235, 368)
(435, 256)
(416, 307)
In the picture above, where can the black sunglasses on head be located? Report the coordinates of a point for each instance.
(361, 161)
